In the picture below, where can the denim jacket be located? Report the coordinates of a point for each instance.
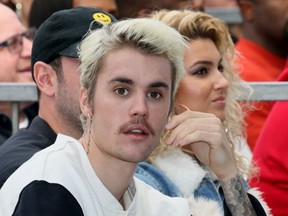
(199, 185)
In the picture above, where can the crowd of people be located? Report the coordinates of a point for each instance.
(172, 138)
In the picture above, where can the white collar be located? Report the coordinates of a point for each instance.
(174, 163)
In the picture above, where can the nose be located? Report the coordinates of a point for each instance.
(27, 48)
(139, 107)
(220, 81)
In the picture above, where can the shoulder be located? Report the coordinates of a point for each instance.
(273, 136)
(40, 197)
(39, 135)
(59, 159)
(55, 164)
(20, 147)
(65, 152)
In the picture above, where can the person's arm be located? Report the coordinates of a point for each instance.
(236, 198)
(234, 191)
(204, 136)
(43, 198)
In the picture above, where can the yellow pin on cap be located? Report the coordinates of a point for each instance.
(102, 18)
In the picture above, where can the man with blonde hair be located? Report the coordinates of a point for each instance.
(130, 71)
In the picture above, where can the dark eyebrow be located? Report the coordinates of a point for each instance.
(122, 80)
(206, 62)
(159, 84)
(203, 62)
(130, 82)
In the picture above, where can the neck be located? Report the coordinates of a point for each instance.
(57, 122)
(115, 174)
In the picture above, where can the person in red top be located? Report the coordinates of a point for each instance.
(270, 155)
(263, 49)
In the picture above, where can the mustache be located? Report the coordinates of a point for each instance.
(137, 121)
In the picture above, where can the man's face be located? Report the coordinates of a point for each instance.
(67, 97)
(271, 18)
(14, 67)
(131, 105)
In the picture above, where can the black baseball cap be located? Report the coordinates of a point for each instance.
(62, 32)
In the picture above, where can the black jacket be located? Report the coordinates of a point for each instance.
(23, 145)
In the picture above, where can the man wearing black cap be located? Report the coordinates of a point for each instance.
(55, 71)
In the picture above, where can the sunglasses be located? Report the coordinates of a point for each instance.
(15, 42)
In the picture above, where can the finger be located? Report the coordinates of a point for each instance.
(178, 119)
(210, 150)
(190, 126)
(213, 139)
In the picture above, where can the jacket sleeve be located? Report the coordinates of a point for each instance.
(43, 198)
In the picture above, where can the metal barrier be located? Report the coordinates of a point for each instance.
(267, 91)
(16, 93)
(228, 15)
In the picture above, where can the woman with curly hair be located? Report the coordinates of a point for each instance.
(198, 157)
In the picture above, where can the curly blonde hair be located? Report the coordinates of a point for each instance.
(199, 25)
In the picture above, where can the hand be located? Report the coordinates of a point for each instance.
(204, 134)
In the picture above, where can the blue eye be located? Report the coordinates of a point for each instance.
(122, 91)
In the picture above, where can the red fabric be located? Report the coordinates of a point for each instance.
(257, 64)
(271, 156)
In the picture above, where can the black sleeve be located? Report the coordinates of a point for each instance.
(255, 203)
(41, 198)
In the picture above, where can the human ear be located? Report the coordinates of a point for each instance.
(45, 78)
(84, 103)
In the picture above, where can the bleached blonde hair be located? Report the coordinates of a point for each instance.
(149, 36)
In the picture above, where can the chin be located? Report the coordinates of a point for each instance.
(135, 159)
(221, 115)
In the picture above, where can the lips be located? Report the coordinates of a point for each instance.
(26, 69)
(138, 126)
(219, 99)
(137, 130)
